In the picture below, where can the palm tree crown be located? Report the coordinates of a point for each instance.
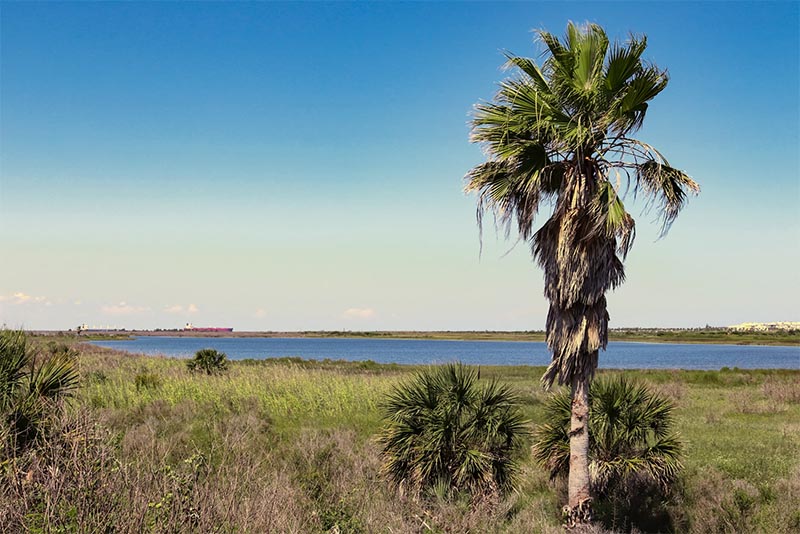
(561, 133)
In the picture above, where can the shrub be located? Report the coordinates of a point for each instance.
(208, 361)
(634, 453)
(32, 387)
(61, 349)
(446, 432)
(722, 505)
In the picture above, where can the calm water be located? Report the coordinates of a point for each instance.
(419, 351)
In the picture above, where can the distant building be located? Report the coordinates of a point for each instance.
(780, 326)
(192, 328)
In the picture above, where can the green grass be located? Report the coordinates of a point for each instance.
(289, 395)
(302, 432)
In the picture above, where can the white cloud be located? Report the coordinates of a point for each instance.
(358, 313)
(180, 309)
(260, 313)
(123, 308)
(22, 298)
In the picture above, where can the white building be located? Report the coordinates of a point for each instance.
(779, 326)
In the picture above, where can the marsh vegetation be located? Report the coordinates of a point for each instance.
(291, 446)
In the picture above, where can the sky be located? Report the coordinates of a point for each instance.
(299, 166)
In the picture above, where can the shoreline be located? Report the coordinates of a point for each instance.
(693, 337)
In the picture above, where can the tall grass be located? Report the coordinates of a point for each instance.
(288, 446)
(288, 395)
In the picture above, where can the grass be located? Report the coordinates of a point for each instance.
(287, 445)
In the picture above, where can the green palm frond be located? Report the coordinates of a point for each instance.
(624, 61)
(631, 434)
(561, 58)
(614, 218)
(31, 389)
(530, 68)
(663, 460)
(589, 48)
(444, 429)
(14, 357)
(55, 377)
(208, 361)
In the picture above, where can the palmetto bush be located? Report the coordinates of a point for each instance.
(33, 386)
(447, 433)
(209, 361)
(634, 452)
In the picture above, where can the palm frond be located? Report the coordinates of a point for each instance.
(561, 59)
(631, 434)
(667, 187)
(530, 68)
(442, 428)
(624, 61)
(31, 389)
(14, 357)
(632, 107)
(551, 440)
(663, 460)
(56, 377)
(590, 52)
(615, 218)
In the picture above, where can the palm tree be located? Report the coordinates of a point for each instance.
(208, 361)
(561, 133)
(634, 452)
(444, 431)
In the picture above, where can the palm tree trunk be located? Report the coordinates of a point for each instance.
(579, 511)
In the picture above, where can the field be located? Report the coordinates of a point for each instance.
(288, 446)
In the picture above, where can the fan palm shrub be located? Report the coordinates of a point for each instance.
(444, 431)
(560, 134)
(634, 451)
(208, 361)
(32, 389)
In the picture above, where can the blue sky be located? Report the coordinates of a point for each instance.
(289, 166)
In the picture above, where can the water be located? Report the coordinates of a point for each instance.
(621, 355)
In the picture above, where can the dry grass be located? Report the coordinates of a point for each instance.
(289, 448)
(781, 391)
(674, 391)
(723, 505)
(79, 483)
(751, 402)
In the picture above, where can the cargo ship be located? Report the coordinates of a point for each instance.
(192, 328)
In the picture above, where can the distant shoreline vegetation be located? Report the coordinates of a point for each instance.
(644, 335)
